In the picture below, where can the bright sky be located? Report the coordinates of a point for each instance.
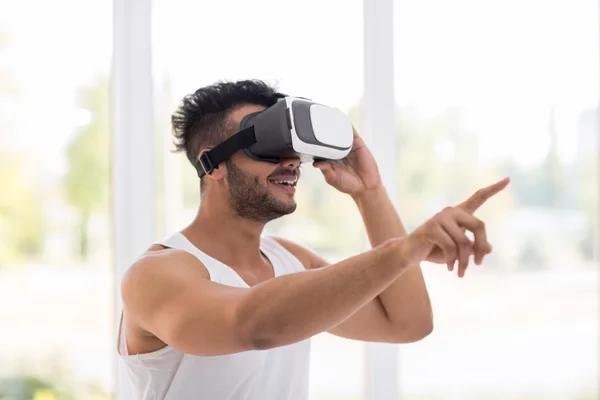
(505, 61)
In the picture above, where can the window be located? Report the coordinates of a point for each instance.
(482, 90)
(55, 267)
(485, 90)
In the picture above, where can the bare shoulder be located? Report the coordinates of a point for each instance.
(168, 299)
(159, 270)
(307, 257)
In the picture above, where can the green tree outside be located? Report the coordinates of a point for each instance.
(88, 155)
(21, 217)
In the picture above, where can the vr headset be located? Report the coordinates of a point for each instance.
(292, 128)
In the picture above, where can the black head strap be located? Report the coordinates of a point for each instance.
(211, 159)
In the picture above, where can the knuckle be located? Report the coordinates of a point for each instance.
(429, 227)
(449, 250)
(481, 194)
(448, 246)
(463, 241)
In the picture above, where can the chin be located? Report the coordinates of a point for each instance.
(287, 207)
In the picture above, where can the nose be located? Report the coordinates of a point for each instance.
(292, 163)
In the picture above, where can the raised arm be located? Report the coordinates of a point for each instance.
(170, 297)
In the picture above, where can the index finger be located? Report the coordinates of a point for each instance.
(482, 195)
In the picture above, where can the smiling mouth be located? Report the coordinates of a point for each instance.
(287, 183)
(291, 183)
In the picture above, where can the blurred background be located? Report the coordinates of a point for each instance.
(482, 89)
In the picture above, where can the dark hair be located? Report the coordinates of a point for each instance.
(202, 118)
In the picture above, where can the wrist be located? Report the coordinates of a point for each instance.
(394, 251)
(369, 194)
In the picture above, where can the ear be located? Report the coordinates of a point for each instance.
(218, 173)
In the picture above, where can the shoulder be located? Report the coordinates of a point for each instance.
(307, 257)
(159, 270)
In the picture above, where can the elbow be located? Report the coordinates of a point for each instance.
(259, 335)
(423, 329)
(414, 331)
(263, 336)
(248, 334)
(260, 343)
(256, 339)
(252, 329)
(262, 326)
(252, 333)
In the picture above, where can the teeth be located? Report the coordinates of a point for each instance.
(290, 183)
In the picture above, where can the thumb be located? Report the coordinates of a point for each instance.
(321, 164)
(324, 166)
(327, 170)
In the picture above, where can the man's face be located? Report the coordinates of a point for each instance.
(261, 191)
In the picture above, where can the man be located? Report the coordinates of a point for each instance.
(220, 311)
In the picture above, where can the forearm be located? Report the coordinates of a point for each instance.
(294, 307)
(406, 300)
(379, 215)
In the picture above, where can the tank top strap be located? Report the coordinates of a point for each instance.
(282, 260)
(178, 241)
(286, 261)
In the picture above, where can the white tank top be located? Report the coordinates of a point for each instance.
(275, 374)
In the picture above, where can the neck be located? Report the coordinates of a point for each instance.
(221, 233)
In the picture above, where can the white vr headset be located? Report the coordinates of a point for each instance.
(292, 128)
